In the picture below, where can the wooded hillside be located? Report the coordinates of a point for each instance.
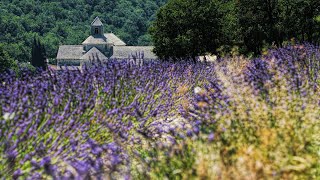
(68, 21)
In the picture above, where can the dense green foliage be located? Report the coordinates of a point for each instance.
(187, 28)
(182, 28)
(274, 21)
(67, 22)
(6, 62)
(190, 28)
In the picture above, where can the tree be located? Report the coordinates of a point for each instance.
(6, 62)
(257, 19)
(187, 29)
(266, 22)
(38, 54)
(306, 25)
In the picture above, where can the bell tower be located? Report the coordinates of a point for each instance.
(97, 27)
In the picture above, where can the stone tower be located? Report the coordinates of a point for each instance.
(97, 27)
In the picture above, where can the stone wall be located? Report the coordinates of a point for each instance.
(68, 62)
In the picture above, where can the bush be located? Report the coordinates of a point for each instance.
(6, 62)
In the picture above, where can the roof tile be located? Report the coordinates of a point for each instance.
(123, 52)
(70, 52)
(113, 39)
(94, 54)
(96, 22)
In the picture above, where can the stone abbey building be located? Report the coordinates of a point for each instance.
(100, 46)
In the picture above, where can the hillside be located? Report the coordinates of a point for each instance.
(67, 22)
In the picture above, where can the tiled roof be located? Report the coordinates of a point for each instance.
(108, 38)
(95, 40)
(70, 52)
(123, 52)
(113, 39)
(94, 54)
(96, 22)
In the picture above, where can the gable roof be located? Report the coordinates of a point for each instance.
(108, 38)
(113, 39)
(96, 22)
(95, 40)
(123, 52)
(94, 54)
(70, 52)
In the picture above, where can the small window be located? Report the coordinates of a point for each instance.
(96, 31)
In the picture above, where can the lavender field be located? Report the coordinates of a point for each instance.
(234, 118)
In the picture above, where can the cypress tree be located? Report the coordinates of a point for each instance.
(38, 54)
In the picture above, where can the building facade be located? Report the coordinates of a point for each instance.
(100, 46)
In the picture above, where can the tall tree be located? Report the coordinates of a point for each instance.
(187, 28)
(38, 54)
